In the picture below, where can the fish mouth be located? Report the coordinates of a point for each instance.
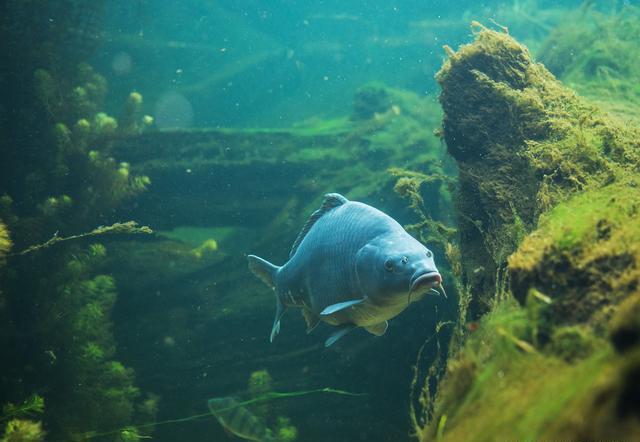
(426, 281)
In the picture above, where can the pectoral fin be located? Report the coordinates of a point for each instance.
(377, 329)
(340, 332)
(339, 306)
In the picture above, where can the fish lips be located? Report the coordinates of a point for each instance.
(425, 281)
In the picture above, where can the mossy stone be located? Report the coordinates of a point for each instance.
(625, 325)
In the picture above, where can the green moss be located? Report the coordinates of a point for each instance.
(5, 241)
(523, 142)
(284, 431)
(625, 325)
(496, 390)
(19, 430)
(584, 254)
(597, 54)
(572, 343)
(370, 100)
(130, 120)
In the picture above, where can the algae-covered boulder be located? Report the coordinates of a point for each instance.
(585, 255)
(625, 325)
(523, 142)
(548, 204)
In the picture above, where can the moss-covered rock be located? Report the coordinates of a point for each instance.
(517, 394)
(585, 255)
(625, 325)
(523, 142)
(533, 156)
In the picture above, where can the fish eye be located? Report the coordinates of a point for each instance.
(388, 265)
(404, 260)
(429, 254)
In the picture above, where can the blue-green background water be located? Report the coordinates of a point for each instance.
(190, 327)
(273, 64)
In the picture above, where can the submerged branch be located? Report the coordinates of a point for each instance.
(129, 227)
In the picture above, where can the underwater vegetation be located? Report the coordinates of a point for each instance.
(20, 430)
(117, 333)
(20, 424)
(523, 142)
(254, 418)
(55, 303)
(597, 54)
(549, 244)
(5, 241)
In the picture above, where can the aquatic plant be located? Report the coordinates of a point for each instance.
(625, 326)
(129, 227)
(284, 431)
(130, 119)
(584, 255)
(5, 241)
(20, 430)
(369, 100)
(207, 247)
(103, 385)
(260, 382)
(596, 54)
(31, 406)
(483, 393)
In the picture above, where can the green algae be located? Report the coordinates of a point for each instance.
(494, 388)
(597, 55)
(584, 254)
(625, 325)
(547, 201)
(523, 143)
(5, 241)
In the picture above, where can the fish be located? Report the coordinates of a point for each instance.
(238, 420)
(351, 266)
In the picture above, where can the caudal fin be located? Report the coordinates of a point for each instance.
(266, 271)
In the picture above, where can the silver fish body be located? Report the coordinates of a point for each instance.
(351, 266)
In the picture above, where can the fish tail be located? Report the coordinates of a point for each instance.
(266, 271)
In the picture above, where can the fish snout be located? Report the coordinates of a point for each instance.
(425, 280)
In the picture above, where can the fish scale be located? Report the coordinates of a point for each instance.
(351, 266)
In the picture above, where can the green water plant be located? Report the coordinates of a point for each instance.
(33, 405)
(5, 241)
(596, 54)
(128, 228)
(22, 430)
(208, 247)
(283, 425)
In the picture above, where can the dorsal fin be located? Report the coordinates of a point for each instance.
(331, 200)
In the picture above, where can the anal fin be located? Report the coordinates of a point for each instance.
(280, 309)
(377, 329)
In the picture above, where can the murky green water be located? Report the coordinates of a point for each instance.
(220, 125)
